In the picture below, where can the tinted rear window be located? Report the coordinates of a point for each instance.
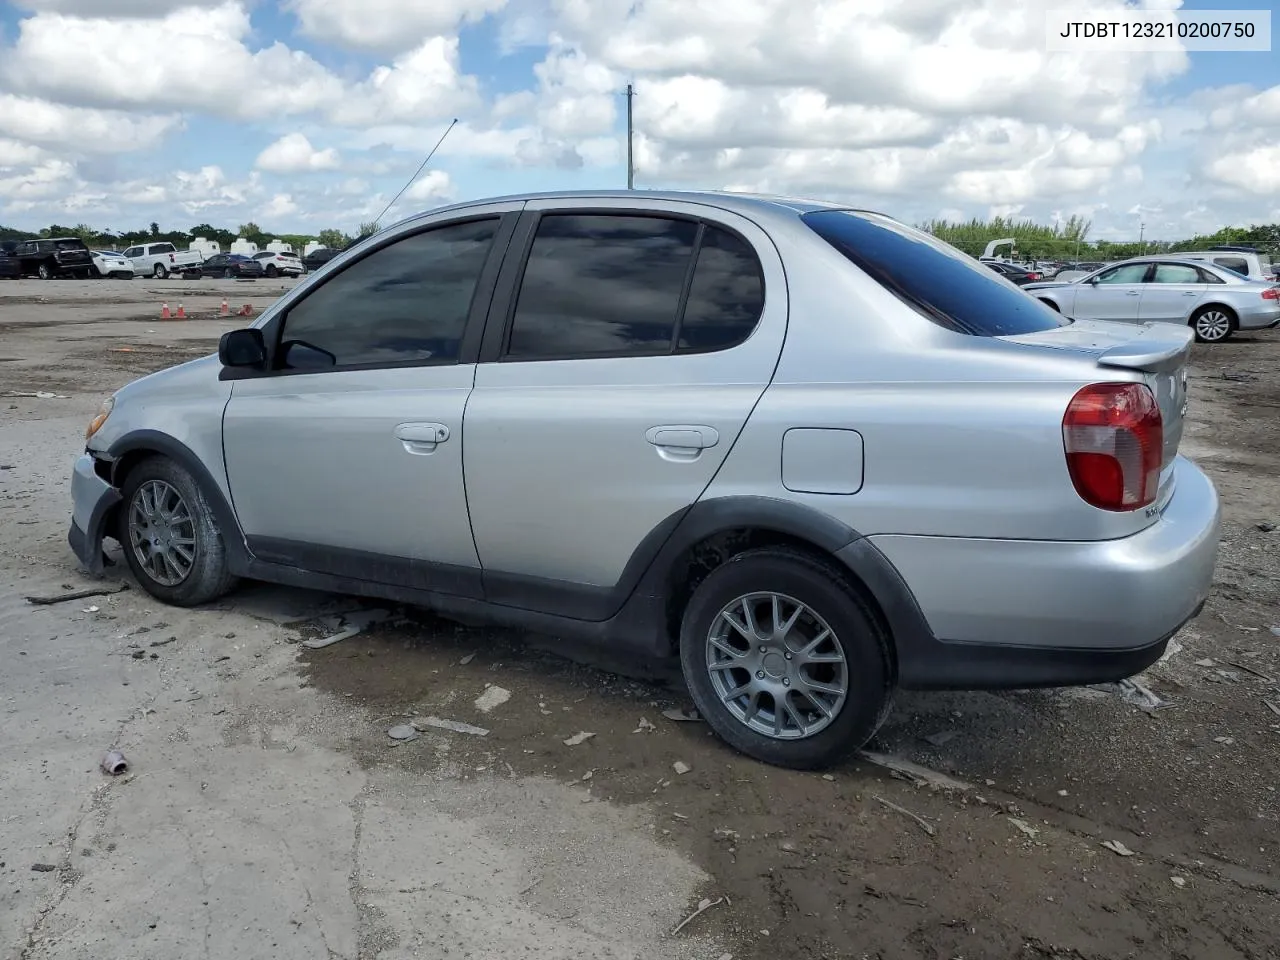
(70, 245)
(941, 283)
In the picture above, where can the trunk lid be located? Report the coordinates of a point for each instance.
(1157, 351)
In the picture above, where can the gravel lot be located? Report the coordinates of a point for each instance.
(267, 813)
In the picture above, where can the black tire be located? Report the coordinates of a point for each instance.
(44, 272)
(1199, 320)
(160, 273)
(271, 270)
(208, 577)
(228, 274)
(827, 591)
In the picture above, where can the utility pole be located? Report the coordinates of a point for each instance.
(631, 165)
(1142, 232)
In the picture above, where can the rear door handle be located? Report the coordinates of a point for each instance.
(1133, 293)
(682, 441)
(420, 438)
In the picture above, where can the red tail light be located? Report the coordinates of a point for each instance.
(1271, 294)
(1035, 276)
(1113, 435)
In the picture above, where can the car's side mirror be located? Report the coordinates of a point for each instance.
(242, 348)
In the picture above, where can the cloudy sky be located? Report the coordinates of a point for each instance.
(304, 114)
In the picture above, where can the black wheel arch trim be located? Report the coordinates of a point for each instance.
(153, 441)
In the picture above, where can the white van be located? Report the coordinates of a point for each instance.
(1252, 263)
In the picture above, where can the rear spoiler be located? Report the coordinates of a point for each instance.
(1158, 348)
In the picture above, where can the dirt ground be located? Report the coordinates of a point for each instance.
(267, 813)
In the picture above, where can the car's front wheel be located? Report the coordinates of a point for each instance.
(784, 659)
(45, 272)
(160, 273)
(170, 538)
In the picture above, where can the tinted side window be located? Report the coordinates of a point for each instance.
(1238, 264)
(163, 248)
(1207, 277)
(726, 297)
(932, 277)
(405, 303)
(1126, 273)
(601, 284)
(1175, 273)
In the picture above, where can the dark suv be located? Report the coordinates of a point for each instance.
(59, 257)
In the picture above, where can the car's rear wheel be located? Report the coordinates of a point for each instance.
(784, 659)
(1213, 324)
(170, 537)
(271, 270)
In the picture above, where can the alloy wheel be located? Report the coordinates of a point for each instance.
(1213, 325)
(162, 533)
(777, 666)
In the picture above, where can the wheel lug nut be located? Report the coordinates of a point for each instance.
(788, 656)
(786, 682)
(764, 649)
(759, 674)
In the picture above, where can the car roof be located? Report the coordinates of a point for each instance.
(742, 203)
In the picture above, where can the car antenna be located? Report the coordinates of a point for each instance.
(421, 167)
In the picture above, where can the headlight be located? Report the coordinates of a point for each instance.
(100, 418)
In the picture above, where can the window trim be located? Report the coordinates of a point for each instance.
(501, 315)
(469, 346)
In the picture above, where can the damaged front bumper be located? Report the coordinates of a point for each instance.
(93, 502)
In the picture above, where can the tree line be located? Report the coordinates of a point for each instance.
(1064, 240)
(119, 240)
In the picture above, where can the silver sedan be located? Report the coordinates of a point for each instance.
(1214, 301)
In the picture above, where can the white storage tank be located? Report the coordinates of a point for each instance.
(311, 247)
(242, 246)
(279, 246)
(205, 247)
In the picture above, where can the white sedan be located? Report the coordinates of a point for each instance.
(113, 264)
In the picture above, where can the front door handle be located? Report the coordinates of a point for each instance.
(1133, 293)
(420, 438)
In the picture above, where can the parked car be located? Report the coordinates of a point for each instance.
(1214, 301)
(280, 263)
(232, 266)
(818, 453)
(319, 257)
(1018, 275)
(1241, 260)
(113, 264)
(10, 265)
(55, 257)
(159, 260)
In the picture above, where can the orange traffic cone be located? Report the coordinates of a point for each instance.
(246, 310)
(225, 311)
(181, 314)
(164, 311)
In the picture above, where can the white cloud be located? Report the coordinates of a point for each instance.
(1255, 171)
(279, 206)
(293, 153)
(433, 188)
(192, 58)
(421, 85)
(386, 25)
(78, 130)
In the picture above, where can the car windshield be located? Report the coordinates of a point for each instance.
(69, 244)
(935, 279)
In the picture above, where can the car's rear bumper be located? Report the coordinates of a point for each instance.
(1259, 318)
(92, 500)
(1009, 613)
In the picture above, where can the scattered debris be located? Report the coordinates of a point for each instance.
(679, 816)
(1266, 527)
(681, 767)
(1171, 650)
(467, 659)
(36, 395)
(726, 833)
(703, 907)
(78, 595)
(93, 609)
(348, 626)
(578, 738)
(1135, 693)
(1115, 846)
(1225, 741)
(1206, 662)
(788, 847)
(689, 716)
(455, 725)
(404, 731)
(44, 867)
(942, 737)
(829, 778)
(492, 697)
(1178, 882)
(644, 726)
(113, 763)
(1025, 827)
(139, 654)
(588, 775)
(924, 824)
(920, 776)
(1275, 630)
(1250, 670)
(1062, 793)
(1272, 706)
